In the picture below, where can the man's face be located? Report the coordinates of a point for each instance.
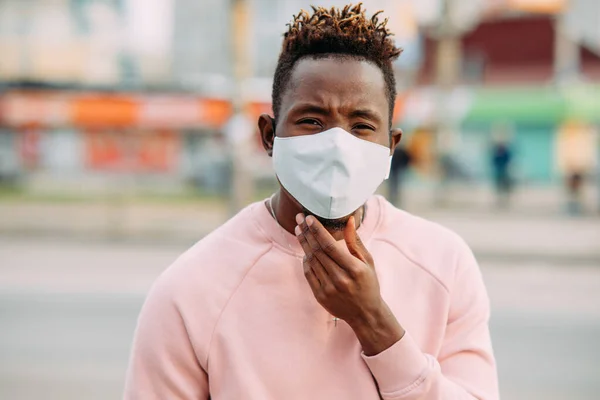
(333, 92)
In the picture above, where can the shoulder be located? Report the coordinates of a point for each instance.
(200, 282)
(436, 249)
(224, 253)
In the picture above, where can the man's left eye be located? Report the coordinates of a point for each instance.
(361, 127)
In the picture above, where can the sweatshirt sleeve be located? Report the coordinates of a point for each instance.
(465, 368)
(163, 363)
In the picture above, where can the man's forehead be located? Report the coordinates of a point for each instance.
(336, 80)
(342, 71)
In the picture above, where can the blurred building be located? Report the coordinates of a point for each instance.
(202, 59)
(100, 43)
(512, 66)
(90, 87)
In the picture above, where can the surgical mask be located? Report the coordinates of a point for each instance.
(331, 173)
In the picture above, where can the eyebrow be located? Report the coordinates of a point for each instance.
(367, 114)
(308, 108)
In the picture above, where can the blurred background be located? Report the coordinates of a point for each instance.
(128, 132)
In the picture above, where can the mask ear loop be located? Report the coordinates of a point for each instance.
(389, 170)
(274, 122)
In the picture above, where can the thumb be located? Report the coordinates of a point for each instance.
(353, 242)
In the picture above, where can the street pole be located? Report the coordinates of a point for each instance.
(566, 53)
(239, 132)
(448, 61)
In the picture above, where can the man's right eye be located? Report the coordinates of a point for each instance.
(309, 121)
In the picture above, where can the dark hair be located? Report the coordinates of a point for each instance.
(334, 32)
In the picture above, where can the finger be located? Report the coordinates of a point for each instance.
(303, 230)
(355, 245)
(313, 281)
(337, 275)
(328, 244)
(310, 261)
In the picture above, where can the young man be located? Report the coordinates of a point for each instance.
(323, 291)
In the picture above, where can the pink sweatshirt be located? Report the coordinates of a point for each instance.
(234, 319)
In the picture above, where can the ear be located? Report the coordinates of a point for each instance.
(266, 125)
(395, 136)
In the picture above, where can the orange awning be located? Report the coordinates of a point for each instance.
(104, 110)
(112, 110)
(538, 6)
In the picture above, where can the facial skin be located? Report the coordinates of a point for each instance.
(337, 91)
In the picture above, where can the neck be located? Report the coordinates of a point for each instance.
(286, 208)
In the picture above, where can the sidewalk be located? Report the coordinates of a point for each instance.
(556, 240)
(506, 235)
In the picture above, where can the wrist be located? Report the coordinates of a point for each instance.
(378, 330)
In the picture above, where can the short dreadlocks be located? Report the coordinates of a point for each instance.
(334, 32)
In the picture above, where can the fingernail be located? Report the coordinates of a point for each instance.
(299, 218)
(309, 220)
(297, 230)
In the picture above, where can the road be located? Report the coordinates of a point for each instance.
(68, 311)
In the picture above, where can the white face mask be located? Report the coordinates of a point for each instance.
(331, 173)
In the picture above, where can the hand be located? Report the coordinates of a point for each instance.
(343, 280)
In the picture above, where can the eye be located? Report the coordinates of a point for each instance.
(363, 127)
(310, 121)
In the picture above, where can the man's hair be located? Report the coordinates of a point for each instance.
(340, 33)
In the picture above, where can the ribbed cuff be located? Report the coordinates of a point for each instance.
(400, 368)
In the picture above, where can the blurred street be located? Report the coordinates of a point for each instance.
(72, 307)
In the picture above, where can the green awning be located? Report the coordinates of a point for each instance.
(519, 105)
(583, 103)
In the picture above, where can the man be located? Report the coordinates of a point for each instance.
(501, 162)
(576, 157)
(401, 161)
(323, 291)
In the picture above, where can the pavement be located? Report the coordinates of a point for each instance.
(535, 228)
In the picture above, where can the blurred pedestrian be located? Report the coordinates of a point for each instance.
(501, 158)
(450, 167)
(574, 184)
(576, 153)
(401, 162)
(284, 301)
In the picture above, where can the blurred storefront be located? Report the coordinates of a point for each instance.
(523, 71)
(530, 117)
(154, 102)
(162, 134)
(70, 134)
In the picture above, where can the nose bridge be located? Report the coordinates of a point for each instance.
(339, 109)
(336, 119)
(342, 143)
